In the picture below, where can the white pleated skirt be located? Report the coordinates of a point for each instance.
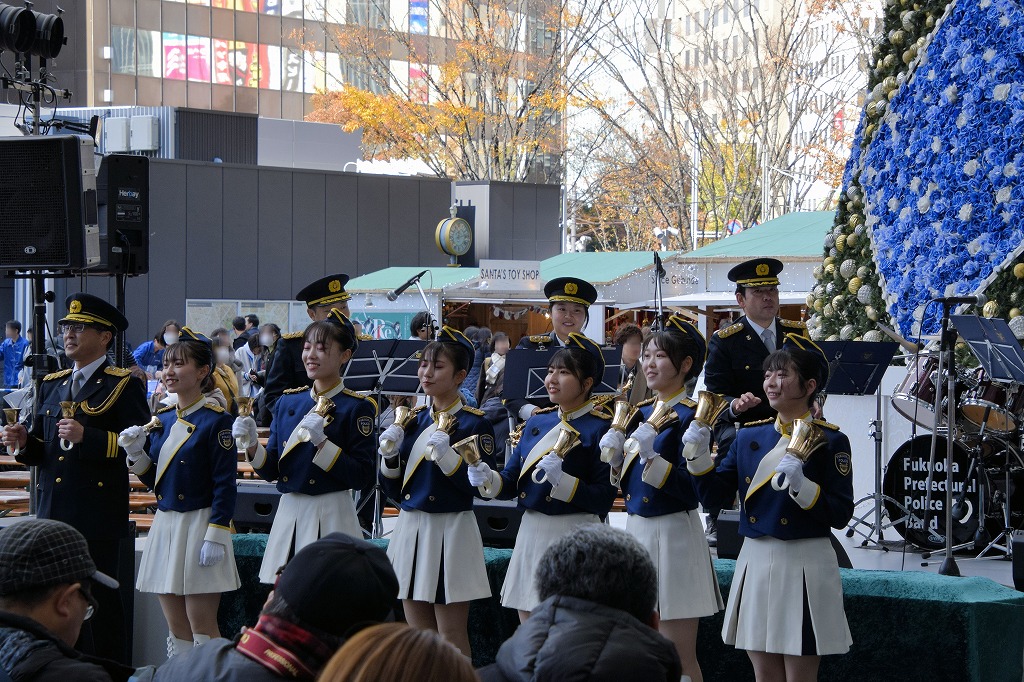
(778, 586)
(438, 558)
(537, 532)
(687, 583)
(170, 560)
(302, 520)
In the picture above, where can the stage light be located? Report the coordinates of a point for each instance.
(49, 38)
(17, 28)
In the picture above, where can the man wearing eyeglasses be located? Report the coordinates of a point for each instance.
(81, 475)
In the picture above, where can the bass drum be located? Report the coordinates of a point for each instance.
(906, 482)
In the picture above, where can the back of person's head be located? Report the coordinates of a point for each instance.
(396, 652)
(238, 324)
(483, 337)
(471, 331)
(419, 321)
(602, 565)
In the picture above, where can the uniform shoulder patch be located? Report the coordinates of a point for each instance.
(688, 402)
(300, 389)
(57, 375)
(824, 424)
(795, 324)
(843, 465)
(292, 335)
(487, 444)
(116, 371)
(729, 331)
(759, 422)
(472, 410)
(226, 440)
(645, 403)
(165, 409)
(365, 425)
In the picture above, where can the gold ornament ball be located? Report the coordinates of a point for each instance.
(840, 242)
(1014, 312)
(830, 269)
(854, 285)
(1018, 270)
(851, 239)
(810, 300)
(991, 309)
(871, 313)
(819, 305)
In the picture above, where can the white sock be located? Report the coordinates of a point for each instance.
(200, 640)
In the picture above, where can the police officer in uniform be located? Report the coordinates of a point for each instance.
(735, 354)
(81, 476)
(569, 301)
(286, 370)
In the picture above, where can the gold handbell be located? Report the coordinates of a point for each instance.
(662, 416)
(152, 425)
(245, 406)
(806, 439)
(404, 416)
(710, 407)
(469, 450)
(621, 419)
(445, 422)
(568, 438)
(11, 415)
(67, 411)
(323, 407)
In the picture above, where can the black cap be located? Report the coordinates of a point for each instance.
(450, 335)
(798, 342)
(89, 309)
(338, 583)
(340, 319)
(188, 335)
(758, 272)
(571, 290)
(330, 289)
(43, 552)
(680, 325)
(588, 344)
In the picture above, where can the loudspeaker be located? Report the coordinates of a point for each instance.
(48, 203)
(122, 195)
(1017, 547)
(256, 506)
(498, 521)
(730, 541)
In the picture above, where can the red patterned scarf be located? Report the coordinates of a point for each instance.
(284, 648)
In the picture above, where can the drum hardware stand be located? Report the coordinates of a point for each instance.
(1006, 534)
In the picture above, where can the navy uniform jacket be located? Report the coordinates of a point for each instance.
(345, 461)
(286, 370)
(736, 355)
(86, 487)
(664, 486)
(825, 499)
(536, 342)
(191, 465)
(585, 486)
(442, 486)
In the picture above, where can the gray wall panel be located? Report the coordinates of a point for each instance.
(275, 242)
(403, 217)
(373, 210)
(342, 245)
(308, 238)
(241, 231)
(204, 232)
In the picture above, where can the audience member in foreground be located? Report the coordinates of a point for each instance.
(596, 620)
(330, 590)
(395, 652)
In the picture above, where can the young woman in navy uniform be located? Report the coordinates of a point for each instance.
(574, 491)
(189, 462)
(436, 547)
(318, 475)
(569, 301)
(786, 603)
(659, 493)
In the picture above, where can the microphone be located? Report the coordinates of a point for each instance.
(395, 293)
(978, 300)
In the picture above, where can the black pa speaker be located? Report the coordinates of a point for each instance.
(498, 521)
(1017, 548)
(256, 506)
(48, 214)
(122, 194)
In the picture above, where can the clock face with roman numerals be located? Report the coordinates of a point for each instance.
(454, 236)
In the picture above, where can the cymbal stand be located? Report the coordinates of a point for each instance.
(1004, 541)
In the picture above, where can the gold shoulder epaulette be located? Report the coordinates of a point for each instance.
(605, 398)
(57, 375)
(759, 422)
(600, 411)
(300, 389)
(417, 410)
(364, 337)
(547, 409)
(645, 403)
(824, 424)
(688, 402)
(517, 433)
(165, 409)
(472, 410)
(117, 371)
(354, 394)
(729, 331)
(292, 335)
(796, 324)
(215, 408)
(540, 338)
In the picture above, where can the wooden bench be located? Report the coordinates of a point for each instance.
(14, 479)
(141, 501)
(143, 522)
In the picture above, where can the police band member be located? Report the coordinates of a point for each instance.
(569, 301)
(86, 485)
(786, 605)
(736, 353)
(436, 547)
(190, 463)
(660, 498)
(286, 370)
(572, 491)
(316, 460)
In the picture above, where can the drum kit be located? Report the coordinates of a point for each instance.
(986, 471)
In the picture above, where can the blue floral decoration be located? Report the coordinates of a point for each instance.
(942, 176)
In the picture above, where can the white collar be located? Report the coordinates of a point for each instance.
(194, 407)
(329, 393)
(578, 412)
(451, 409)
(760, 330)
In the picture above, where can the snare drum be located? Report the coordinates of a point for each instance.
(1004, 404)
(914, 397)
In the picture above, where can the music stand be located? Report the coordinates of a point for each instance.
(526, 368)
(384, 367)
(995, 346)
(857, 368)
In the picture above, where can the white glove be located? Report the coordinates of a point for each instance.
(136, 449)
(393, 434)
(314, 425)
(441, 443)
(644, 436)
(551, 464)
(793, 469)
(212, 553)
(245, 428)
(131, 435)
(613, 439)
(697, 435)
(479, 474)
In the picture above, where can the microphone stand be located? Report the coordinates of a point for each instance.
(947, 343)
(426, 306)
(659, 300)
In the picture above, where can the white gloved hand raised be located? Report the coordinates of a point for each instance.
(614, 439)
(551, 464)
(394, 434)
(244, 429)
(697, 435)
(441, 443)
(212, 553)
(314, 425)
(479, 474)
(131, 435)
(793, 469)
(644, 436)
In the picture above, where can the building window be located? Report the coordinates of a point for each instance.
(122, 50)
(368, 13)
